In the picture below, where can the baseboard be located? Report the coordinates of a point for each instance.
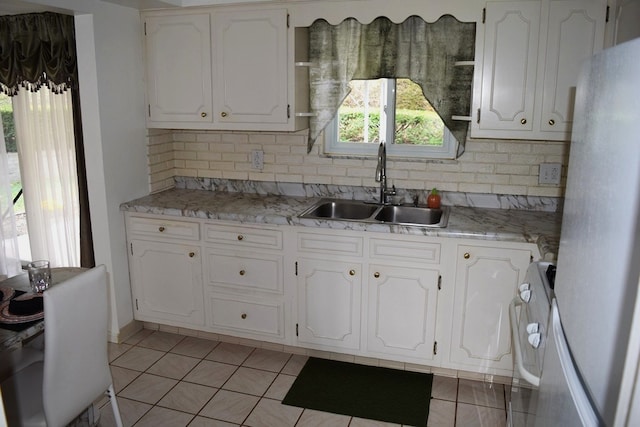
(125, 332)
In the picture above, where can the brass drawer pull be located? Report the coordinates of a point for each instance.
(203, 114)
(192, 254)
(467, 255)
(240, 237)
(161, 229)
(352, 272)
(242, 272)
(243, 315)
(376, 274)
(552, 122)
(523, 121)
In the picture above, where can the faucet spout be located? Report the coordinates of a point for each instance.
(381, 172)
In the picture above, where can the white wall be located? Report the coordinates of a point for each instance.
(112, 101)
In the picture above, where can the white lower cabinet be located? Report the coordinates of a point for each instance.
(441, 302)
(486, 279)
(166, 276)
(402, 311)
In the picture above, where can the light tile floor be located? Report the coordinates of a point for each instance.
(165, 379)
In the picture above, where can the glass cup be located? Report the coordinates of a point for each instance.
(39, 275)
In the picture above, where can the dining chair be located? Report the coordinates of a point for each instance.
(75, 370)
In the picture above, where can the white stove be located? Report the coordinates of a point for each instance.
(529, 314)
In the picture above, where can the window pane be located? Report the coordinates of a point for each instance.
(359, 114)
(416, 121)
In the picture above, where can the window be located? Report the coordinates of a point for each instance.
(391, 110)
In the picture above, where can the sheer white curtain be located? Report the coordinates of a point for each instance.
(44, 133)
(9, 256)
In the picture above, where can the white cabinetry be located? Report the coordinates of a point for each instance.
(403, 298)
(220, 68)
(244, 280)
(166, 274)
(329, 291)
(530, 54)
(486, 278)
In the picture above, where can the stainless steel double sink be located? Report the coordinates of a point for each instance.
(350, 210)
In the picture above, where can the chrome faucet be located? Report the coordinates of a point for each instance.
(381, 174)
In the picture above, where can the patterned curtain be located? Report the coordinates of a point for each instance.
(39, 49)
(414, 49)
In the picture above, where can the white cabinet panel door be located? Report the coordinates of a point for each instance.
(250, 66)
(329, 299)
(402, 311)
(166, 280)
(178, 62)
(509, 66)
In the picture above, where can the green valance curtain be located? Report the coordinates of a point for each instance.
(37, 49)
(424, 52)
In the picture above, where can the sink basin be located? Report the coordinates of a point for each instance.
(349, 210)
(410, 215)
(340, 209)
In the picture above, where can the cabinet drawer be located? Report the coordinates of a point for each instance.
(164, 228)
(265, 317)
(249, 271)
(243, 236)
(330, 244)
(424, 252)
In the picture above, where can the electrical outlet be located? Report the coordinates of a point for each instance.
(550, 173)
(257, 159)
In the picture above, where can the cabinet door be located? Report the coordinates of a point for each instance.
(329, 298)
(575, 33)
(402, 311)
(251, 66)
(178, 61)
(166, 281)
(486, 281)
(509, 66)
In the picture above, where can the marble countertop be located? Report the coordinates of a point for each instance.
(513, 225)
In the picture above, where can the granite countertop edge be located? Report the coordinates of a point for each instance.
(509, 225)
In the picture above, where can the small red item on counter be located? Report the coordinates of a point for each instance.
(433, 200)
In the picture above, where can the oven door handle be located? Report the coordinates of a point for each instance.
(526, 375)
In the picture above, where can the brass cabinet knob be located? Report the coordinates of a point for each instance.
(467, 255)
(552, 122)
(203, 114)
(223, 114)
(523, 121)
(240, 237)
(352, 272)
(242, 272)
(243, 315)
(376, 274)
(192, 254)
(161, 229)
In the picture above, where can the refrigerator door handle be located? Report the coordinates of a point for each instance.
(524, 373)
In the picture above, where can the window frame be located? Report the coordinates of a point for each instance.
(332, 146)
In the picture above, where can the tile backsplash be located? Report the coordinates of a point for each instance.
(495, 173)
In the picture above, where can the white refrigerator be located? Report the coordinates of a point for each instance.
(590, 368)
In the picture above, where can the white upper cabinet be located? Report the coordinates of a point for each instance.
(251, 66)
(530, 54)
(220, 68)
(178, 66)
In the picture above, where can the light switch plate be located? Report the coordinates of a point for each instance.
(550, 173)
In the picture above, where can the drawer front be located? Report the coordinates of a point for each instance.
(264, 318)
(164, 228)
(243, 236)
(330, 244)
(244, 270)
(424, 252)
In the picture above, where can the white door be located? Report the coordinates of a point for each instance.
(251, 66)
(329, 298)
(178, 61)
(166, 280)
(575, 33)
(402, 311)
(509, 65)
(485, 284)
